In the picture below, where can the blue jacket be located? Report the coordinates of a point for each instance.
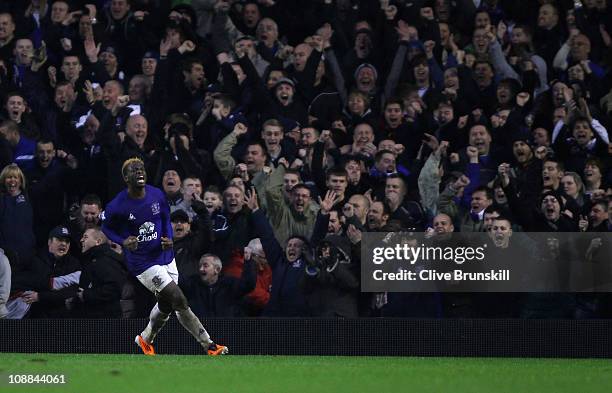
(287, 296)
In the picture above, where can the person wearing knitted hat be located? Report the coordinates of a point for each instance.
(527, 169)
(366, 77)
(111, 57)
(332, 258)
(552, 208)
(288, 104)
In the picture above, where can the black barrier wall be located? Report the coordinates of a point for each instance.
(364, 337)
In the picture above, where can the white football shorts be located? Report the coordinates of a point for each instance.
(157, 277)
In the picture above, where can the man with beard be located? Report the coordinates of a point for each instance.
(139, 219)
(50, 279)
(87, 217)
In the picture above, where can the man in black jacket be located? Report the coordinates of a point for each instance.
(190, 244)
(102, 278)
(332, 285)
(51, 278)
(211, 294)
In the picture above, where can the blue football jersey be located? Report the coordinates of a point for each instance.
(148, 219)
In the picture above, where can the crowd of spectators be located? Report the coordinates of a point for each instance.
(282, 130)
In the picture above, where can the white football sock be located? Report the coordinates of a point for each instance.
(190, 322)
(157, 320)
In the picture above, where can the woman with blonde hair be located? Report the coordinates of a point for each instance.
(16, 217)
(573, 187)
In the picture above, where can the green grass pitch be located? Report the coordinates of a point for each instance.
(286, 374)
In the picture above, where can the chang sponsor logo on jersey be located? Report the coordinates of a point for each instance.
(147, 232)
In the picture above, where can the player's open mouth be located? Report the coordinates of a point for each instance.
(140, 179)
